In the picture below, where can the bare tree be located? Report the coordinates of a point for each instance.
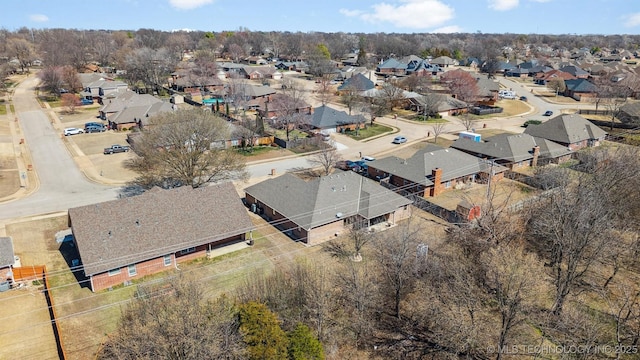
(175, 322)
(613, 95)
(556, 85)
(71, 78)
(350, 97)
(326, 158)
(177, 149)
(22, 50)
(573, 229)
(438, 128)
(289, 107)
(148, 68)
(70, 102)
(323, 88)
(513, 278)
(395, 254)
(391, 94)
(52, 79)
(464, 87)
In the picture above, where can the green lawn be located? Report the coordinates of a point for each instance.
(3, 109)
(256, 150)
(369, 131)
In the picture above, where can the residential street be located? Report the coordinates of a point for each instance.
(62, 184)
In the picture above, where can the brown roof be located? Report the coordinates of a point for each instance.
(117, 233)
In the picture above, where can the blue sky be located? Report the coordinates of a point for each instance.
(368, 16)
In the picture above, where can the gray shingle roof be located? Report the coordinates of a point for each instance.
(325, 117)
(357, 82)
(513, 148)
(6, 252)
(418, 168)
(566, 129)
(317, 202)
(117, 233)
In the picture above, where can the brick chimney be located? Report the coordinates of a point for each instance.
(536, 154)
(437, 188)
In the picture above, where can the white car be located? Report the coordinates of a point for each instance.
(368, 158)
(399, 140)
(72, 131)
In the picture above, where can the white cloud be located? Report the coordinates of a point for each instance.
(38, 18)
(503, 5)
(448, 30)
(415, 14)
(632, 20)
(189, 4)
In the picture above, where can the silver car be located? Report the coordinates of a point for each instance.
(72, 131)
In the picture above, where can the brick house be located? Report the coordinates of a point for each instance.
(320, 209)
(515, 151)
(432, 170)
(122, 240)
(569, 130)
(329, 119)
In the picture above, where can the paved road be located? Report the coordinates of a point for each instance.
(62, 185)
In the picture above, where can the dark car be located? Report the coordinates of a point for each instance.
(523, 98)
(94, 129)
(85, 101)
(548, 113)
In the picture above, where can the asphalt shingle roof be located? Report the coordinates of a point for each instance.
(325, 117)
(117, 233)
(321, 201)
(358, 82)
(566, 129)
(6, 252)
(418, 168)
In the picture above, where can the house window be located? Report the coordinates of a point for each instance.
(187, 251)
(447, 184)
(114, 272)
(167, 260)
(132, 270)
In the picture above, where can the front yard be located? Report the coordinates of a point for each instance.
(369, 131)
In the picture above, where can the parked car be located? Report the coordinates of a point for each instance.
(548, 113)
(368, 158)
(72, 131)
(85, 101)
(523, 98)
(115, 149)
(94, 129)
(93, 124)
(399, 140)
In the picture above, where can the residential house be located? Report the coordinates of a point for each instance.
(444, 61)
(515, 151)
(7, 259)
(630, 113)
(257, 91)
(570, 130)
(320, 209)
(443, 104)
(274, 105)
(102, 88)
(392, 67)
(330, 120)
(357, 82)
(122, 240)
(580, 90)
(423, 68)
(488, 90)
(575, 71)
(432, 170)
(129, 109)
(350, 59)
(543, 78)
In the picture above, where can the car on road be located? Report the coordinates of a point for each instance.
(523, 98)
(368, 158)
(115, 149)
(399, 140)
(72, 131)
(548, 113)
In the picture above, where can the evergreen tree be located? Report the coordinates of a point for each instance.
(262, 333)
(303, 345)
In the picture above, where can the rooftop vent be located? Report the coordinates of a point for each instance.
(339, 215)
